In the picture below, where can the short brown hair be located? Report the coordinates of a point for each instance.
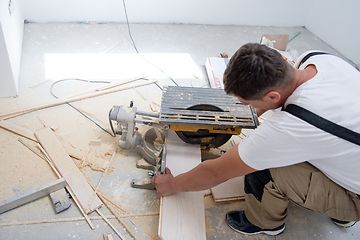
(255, 69)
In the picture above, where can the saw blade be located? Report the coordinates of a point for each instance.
(204, 137)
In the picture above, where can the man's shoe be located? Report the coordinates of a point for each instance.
(344, 224)
(238, 222)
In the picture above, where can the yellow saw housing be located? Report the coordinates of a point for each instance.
(232, 131)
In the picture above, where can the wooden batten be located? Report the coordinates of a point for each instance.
(67, 168)
(17, 130)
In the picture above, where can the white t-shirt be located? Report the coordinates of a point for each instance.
(283, 139)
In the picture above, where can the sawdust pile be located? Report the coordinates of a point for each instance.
(96, 157)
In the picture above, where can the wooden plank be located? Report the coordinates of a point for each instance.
(31, 195)
(118, 217)
(68, 100)
(57, 220)
(108, 236)
(67, 168)
(230, 190)
(101, 179)
(182, 215)
(17, 130)
(47, 159)
(110, 224)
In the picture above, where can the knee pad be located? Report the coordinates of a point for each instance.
(255, 182)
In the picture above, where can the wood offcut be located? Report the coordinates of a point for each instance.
(67, 168)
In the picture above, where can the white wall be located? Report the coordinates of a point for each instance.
(238, 12)
(11, 35)
(337, 23)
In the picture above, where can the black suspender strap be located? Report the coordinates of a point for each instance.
(323, 123)
(310, 55)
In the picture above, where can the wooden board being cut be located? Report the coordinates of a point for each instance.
(232, 189)
(67, 168)
(182, 215)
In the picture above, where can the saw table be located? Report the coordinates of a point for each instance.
(205, 116)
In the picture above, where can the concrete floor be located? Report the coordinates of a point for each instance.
(71, 50)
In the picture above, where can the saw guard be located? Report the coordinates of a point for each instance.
(204, 136)
(232, 131)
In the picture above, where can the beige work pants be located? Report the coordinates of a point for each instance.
(306, 186)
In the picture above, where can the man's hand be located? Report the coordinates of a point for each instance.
(204, 176)
(162, 183)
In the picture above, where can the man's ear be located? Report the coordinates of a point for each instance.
(273, 96)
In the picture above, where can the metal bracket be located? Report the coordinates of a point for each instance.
(143, 184)
(60, 200)
(155, 170)
(32, 195)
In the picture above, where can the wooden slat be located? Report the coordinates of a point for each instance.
(17, 130)
(57, 220)
(68, 100)
(182, 215)
(67, 168)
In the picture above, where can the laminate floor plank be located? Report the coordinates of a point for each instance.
(230, 190)
(182, 214)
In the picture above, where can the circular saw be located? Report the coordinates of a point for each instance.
(204, 136)
(204, 116)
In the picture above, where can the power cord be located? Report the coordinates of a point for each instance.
(133, 43)
(113, 134)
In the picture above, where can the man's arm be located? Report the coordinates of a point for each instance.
(204, 176)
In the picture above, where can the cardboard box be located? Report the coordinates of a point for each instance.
(215, 66)
(279, 41)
